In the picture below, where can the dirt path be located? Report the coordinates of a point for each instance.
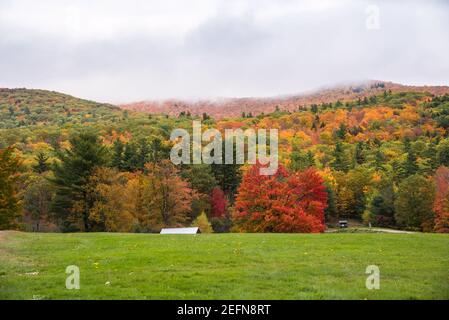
(367, 230)
(391, 230)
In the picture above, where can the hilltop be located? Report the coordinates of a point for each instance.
(234, 107)
(32, 107)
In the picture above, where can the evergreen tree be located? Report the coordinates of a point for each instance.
(158, 151)
(410, 166)
(200, 177)
(130, 162)
(72, 200)
(299, 160)
(431, 154)
(382, 204)
(341, 132)
(227, 175)
(359, 158)
(42, 165)
(310, 159)
(142, 155)
(340, 163)
(331, 209)
(117, 155)
(378, 161)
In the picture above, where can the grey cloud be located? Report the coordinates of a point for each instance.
(246, 53)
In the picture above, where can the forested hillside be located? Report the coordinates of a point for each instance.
(27, 107)
(40, 120)
(70, 164)
(235, 107)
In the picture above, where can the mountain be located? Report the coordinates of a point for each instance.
(31, 107)
(234, 107)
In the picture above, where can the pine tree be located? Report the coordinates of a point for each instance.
(158, 151)
(340, 163)
(431, 154)
(341, 132)
(410, 166)
(227, 175)
(378, 161)
(142, 155)
(359, 158)
(42, 165)
(130, 162)
(117, 156)
(72, 201)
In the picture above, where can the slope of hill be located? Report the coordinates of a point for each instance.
(40, 120)
(30, 107)
(234, 107)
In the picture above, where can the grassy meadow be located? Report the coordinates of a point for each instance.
(224, 266)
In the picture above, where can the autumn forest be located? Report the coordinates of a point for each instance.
(377, 155)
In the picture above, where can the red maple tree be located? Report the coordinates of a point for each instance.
(283, 202)
(218, 203)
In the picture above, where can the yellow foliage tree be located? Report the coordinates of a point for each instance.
(203, 223)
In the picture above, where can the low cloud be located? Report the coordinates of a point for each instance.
(119, 51)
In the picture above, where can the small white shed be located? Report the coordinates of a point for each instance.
(192, 230)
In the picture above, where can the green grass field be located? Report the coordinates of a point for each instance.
(224, 266)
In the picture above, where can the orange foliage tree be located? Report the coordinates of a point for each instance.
(283, 202)
(172, 197)
(441, 204)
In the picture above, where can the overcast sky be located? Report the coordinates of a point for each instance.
(122, 51)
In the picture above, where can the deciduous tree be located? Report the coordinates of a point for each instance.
(283, 202)
(441, 204)
(414, 203)
(9, 202)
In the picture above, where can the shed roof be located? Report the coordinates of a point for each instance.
(192, 230)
